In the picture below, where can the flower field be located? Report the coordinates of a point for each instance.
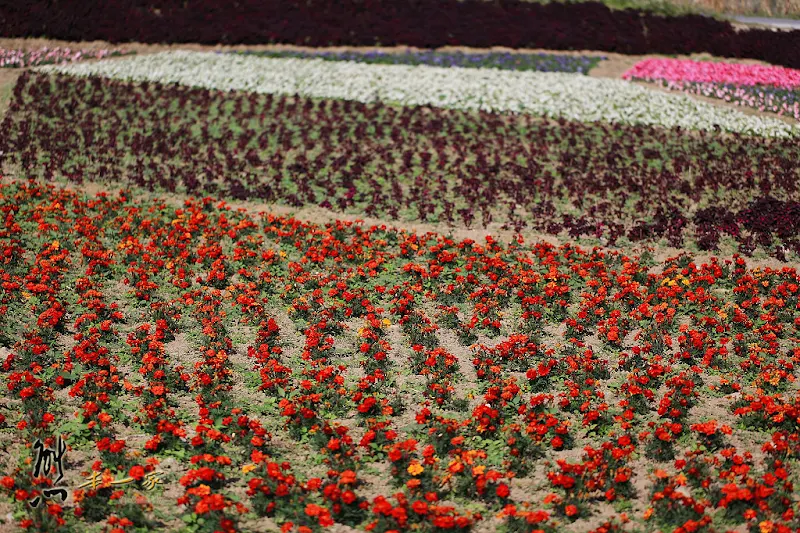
(15, 58)
(415, 163)
(772, 89)
(586, 25)
(386, 290)
(506, 61)
(552, 94)
(714, 72)
(466, 370)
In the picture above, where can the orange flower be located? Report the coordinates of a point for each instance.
(420, 507)
(415, 469)
(202, 490)
(348, 477)
(315, 510)
(455, 467)
(551, 498)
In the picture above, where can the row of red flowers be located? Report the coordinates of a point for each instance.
(458, 371)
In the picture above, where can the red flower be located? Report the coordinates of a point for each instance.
(571, 510)
(503, 490)
(136, 472)
(27, 392)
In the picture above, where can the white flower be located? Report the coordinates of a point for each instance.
(551, 94)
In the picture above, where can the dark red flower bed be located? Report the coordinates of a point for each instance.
(426, 164)
(423, 23)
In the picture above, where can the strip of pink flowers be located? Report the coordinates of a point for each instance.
(687, 70)
(19, 58)
(770, 89)
(783, 102)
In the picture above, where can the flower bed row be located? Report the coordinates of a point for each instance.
(425, 24)
(588, 181)
(397, 371)
(771, 89)
(687, 70)
(499, 60)
(783, 102)
(19, 58)
(542, 93)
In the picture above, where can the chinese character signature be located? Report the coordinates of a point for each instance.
(46, 459)
(149, 482)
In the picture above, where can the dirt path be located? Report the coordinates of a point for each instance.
(8, 77)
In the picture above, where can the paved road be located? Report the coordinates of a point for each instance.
(777, 23)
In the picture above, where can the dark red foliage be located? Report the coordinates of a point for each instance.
(462, 168)
(421, 23)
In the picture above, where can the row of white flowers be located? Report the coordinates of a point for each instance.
(551, 94)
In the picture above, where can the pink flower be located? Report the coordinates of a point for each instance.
(714, 72)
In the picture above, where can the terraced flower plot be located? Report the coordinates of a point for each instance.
(304, 291)
(501, 60)
(550, 94)
(19, 58)
(772, 89)
(609, 181)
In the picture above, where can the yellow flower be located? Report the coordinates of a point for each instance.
(415, 469)
(248, 468)
(386, 322)
(478, 470)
